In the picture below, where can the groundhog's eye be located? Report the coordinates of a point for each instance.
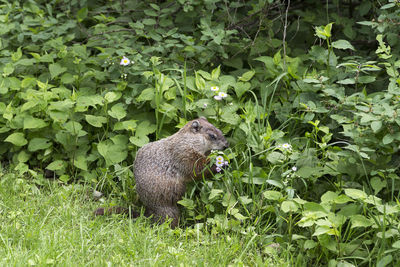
(212, 136)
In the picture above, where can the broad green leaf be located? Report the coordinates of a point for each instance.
(16, 55)
(111, 152)
(96, 121)
(247, 76)
(112, 96)
(376, 126)
(366, 79)
(38, 144)
(239, 216)
(117, 111)
(214, 193)
(347, 81)
(309, 244)
(329, 197)
(355, 193)
(83, 102)
(273, 195)
(146, 95)
(33, 123)
(320, 230)
(241, 87)
(28, 105)
(81, 162)
(204, 74)
(215, 73)
(377, 184)
(82, 14)
(17, 139)
(187, 203)
(387, 259)
(387, 139)
(55, 165)
(396, 244)
(275, 157)
(200, 82)
(245, 200)
(342, 44)
(8, 69)
(130, 125)
(289, 206)
(56, 69)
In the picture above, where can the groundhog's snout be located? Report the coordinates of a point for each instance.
(226, 145)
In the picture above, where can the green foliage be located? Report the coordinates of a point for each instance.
(310, 109)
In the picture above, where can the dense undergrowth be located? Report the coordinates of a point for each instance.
(311, 110)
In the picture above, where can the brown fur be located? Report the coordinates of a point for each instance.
(163, 168)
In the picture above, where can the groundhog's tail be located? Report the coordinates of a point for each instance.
(116, 210)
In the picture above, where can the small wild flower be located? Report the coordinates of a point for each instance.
(125, 61)
(217, 97)
(214, 88)
(220, 161)
(294, 168)
(222, 94)
(285, 147)
(218, 169)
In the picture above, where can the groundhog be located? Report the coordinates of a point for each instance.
(163, 168)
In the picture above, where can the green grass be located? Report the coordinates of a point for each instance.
(53, 225)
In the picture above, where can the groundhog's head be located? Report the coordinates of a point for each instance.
(208, 137)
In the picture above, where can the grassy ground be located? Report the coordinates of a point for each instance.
(54, 225)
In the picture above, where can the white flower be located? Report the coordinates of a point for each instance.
(125, 61)
(226, 163)
(218, 169)
(222, 94)
(286, 146)
(214, 88)
(294, 168)
(205, 105)
(217, 97)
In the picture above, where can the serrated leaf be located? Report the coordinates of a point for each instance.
(17, 139)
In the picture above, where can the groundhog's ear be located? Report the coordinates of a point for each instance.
(196, 126)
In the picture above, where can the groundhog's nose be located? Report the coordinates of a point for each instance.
(226, 145)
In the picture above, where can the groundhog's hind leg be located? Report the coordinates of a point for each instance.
(162, 213)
